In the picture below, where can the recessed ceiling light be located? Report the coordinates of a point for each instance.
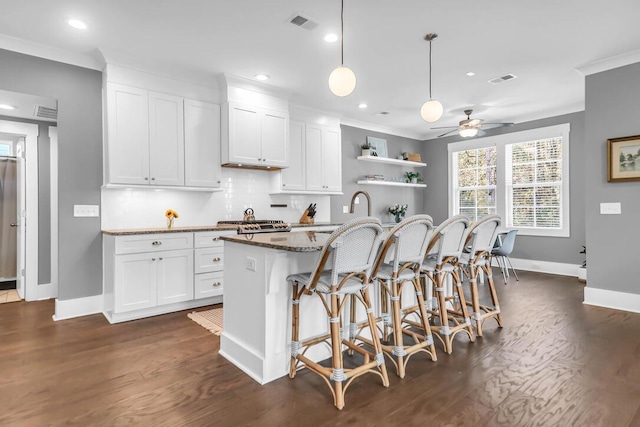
(261, 77)
(78, 24)
(331, 38)
(470, 74)
(7, 107)
(362, 105)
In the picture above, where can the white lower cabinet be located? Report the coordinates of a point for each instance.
(150, 274)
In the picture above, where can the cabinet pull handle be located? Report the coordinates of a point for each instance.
(216, 259)
(216, 239)
(214, 284)
(156, 243)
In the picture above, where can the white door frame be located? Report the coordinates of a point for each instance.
(53, 150)
(30, 132)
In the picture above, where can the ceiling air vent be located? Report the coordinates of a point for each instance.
(383, 113)
(301, 21)
(46, 112)
(502, 79)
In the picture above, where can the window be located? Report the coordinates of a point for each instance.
(522, 176)
(5, 148)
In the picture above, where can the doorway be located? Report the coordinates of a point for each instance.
(20, 214)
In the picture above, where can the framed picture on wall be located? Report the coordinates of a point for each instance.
(623, 159)
(378, 146)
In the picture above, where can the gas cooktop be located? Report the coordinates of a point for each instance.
(259, 226)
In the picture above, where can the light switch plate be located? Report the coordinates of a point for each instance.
(345, 209)
(610, 208)
(86, 210)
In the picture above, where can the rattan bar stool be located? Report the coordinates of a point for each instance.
(398, 265)
(440, 266)
(479, 244)
(341, 275)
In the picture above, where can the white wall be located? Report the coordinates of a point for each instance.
(242, 188)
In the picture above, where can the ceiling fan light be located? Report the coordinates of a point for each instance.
(468, 132)
(342, 81)
(431, 111)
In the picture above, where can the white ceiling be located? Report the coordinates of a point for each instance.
(541, 42)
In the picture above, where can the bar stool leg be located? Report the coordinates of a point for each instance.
(445, 331)
(398, 349)
(377, 347)
(295, 332)
(475, 300)
(337, 375)
(463, 306)
(494, 296)
(428, 336)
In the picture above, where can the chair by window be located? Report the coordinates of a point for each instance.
(502, 252)
(341, 274)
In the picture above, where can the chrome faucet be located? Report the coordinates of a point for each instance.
(353, 201)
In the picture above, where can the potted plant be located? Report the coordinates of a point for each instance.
(413, 177)
(398, 211)
(366, 149)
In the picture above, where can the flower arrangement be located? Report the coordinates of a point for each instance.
(413, 176)
(171, 215)
(398, 209)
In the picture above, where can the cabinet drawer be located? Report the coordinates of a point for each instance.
(209, 285)
(211, 239)
(153, 242)
(209, 259)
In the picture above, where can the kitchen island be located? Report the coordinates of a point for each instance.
(257, 301)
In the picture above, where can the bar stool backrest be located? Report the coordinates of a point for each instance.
(448, 239)
(407, 242)
(483, 234)
(352, 248)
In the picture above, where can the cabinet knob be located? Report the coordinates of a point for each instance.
(153, 179)
(215, 284)
(219, 182)
(146, 178)
(215, 239)
(216, 259)
(160, 258)
(153, 259)
(156, 243)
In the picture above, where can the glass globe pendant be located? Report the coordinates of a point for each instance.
(342, 80)
(431, 110)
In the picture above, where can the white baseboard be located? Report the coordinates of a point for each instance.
(47, 291)
(77, 307)
(559, 268)
(612, 299)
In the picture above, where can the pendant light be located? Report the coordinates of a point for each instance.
(342, 81)
(431, 110)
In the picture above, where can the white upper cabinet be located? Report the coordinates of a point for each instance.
(255, 136)
(156, 139)
(166, 139)
(316, 159)
(293, 177)
(127, 135)
(201, 144)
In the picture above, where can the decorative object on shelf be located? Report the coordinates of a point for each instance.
(413, 177)
(623, 159)
(366, 149)
(171, 215)
(375, 177)
(414, 157)
(431, 110)
(378, 146)
(398, 211)
(342, 80)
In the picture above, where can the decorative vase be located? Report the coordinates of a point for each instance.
(414, 180)
(366, 152)
(170, 223)
(399, 217)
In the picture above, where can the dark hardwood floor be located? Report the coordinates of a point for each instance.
(557, 362)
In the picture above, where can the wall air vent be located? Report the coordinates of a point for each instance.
(502, 79)
(43, 112)
(301, 21)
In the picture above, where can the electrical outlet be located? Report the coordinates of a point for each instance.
(250, 264)
(345, 209)
(86, 210)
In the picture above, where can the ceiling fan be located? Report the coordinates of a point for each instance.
(470, 127)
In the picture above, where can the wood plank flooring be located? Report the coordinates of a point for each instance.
(557, 362)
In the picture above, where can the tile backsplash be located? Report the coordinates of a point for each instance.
(124, 208)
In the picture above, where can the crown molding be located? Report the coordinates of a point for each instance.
(610, 63)
(347, 121)
(49, 52)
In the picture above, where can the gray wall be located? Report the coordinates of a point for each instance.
(381, 196)
(78, 92)
(555, 249)
(44, 198)
(612, 107)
